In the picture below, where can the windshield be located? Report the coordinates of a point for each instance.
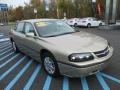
(53, 28)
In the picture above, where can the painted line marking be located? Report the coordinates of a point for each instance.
(6, 56)
(102, 82)
(5, 39)
(11, 84)
(9, 60)
(1, 35)
(32, 78)
(6, 51)
(3, 43)
(111, 78)
(84, 84)
(5, 46)
(47, 83)
(66, 83)
(13, 67)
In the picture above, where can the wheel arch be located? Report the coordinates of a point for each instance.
(57, 73)
(89, 23)
(45, 51)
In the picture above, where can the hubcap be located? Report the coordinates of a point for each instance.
(89, 25)
(75, 25)
(14, 47)
(100, 24)
(49, 65)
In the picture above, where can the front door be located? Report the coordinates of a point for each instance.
(31, 43)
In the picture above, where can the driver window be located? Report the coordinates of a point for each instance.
(29, 28)
(89, 19)
(94, 19)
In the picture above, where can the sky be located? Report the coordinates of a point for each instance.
(15, 3)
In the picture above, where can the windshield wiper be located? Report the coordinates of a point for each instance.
(66, 33)
(61, 34)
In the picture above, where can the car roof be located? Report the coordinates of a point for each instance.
(37, 20)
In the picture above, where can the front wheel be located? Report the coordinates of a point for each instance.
(89, 25)
(75, 25)
(50, 65)
(100, 24)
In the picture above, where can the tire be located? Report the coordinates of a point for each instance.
(100, 24)
(50, 65)
(75, 25)
(16, 50)
(89, 25)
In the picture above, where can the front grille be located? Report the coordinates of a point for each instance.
(102, 53)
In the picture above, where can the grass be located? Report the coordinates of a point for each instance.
(11, 24)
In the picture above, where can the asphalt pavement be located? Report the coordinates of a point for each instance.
(20, 72)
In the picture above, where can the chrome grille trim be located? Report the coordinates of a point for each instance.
(102, 53)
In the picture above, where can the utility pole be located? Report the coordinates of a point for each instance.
(94, 7)
(35, 12)
(58, 16)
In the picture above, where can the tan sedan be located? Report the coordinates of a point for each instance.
(60, 48)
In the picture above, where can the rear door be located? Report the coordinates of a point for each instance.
(18, 35)
(95, 22)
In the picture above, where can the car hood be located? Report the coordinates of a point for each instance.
(78, 42)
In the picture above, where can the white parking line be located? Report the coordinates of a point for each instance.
(1, 35)
(5, 45)
(9, 60)
(66, 83)
(102, 82)
(17, 77)
(84, 84)
(6, 56)
(5, 39)
(11, 68)
(110, 77)
(47, 83)
(31, 80)
(6, 51)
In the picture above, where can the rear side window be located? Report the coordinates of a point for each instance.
(20, 27)
(89, 19)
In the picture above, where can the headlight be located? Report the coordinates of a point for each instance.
(81, 57)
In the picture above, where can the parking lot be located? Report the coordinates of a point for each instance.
(18, 71)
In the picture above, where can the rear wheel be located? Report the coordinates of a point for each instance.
(75, 25)
(50, 65)
(89, 25)
(100, 24)
(15, 47)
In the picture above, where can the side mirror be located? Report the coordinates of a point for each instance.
(30, 34)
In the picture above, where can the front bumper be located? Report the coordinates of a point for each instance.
(77, 70)
(71, 71)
